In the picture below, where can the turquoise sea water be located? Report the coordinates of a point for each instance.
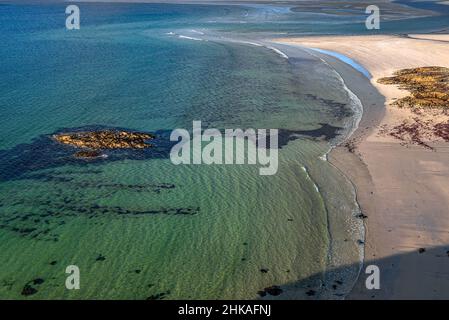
(152, 67)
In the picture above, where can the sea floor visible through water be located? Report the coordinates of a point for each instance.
(137, 226)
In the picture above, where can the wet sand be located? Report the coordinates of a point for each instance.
(404, 190)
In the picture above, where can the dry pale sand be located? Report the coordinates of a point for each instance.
(404, 191)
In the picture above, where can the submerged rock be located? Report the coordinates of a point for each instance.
(88, 154)
(28, 290)
(261, 293)
(273, 290)
(159, 296)
(311, 293)
(100, 258)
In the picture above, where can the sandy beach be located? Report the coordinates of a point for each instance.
(402, 189)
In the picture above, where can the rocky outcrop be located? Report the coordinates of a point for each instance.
(428, 86)
(105, 139)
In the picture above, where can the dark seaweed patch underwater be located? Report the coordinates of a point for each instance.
(38, 216)
(45, 153)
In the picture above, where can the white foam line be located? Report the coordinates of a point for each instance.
(198, 32)
(356, 104)
(279, 52)
(310, 179)
(323, 157)
(252, 43)
(358, 110)
(189, 38)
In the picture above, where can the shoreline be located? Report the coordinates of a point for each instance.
(339, 156)
(388, 177)
(349, 80)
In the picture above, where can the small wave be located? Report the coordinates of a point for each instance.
(279, 52)
(310, 179)
(198, 32)
(252, 43)
(189, 38)
(355, 103)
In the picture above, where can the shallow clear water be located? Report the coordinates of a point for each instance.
(127, 67)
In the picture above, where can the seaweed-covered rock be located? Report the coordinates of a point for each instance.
(105, 139)
(428, 86)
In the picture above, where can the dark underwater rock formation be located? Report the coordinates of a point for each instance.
(273, 291)
(88, 154)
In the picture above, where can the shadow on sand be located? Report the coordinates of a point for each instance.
(419, 274)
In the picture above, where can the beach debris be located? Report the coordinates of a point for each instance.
(351, 146)
(413, 131)
(442, 130)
